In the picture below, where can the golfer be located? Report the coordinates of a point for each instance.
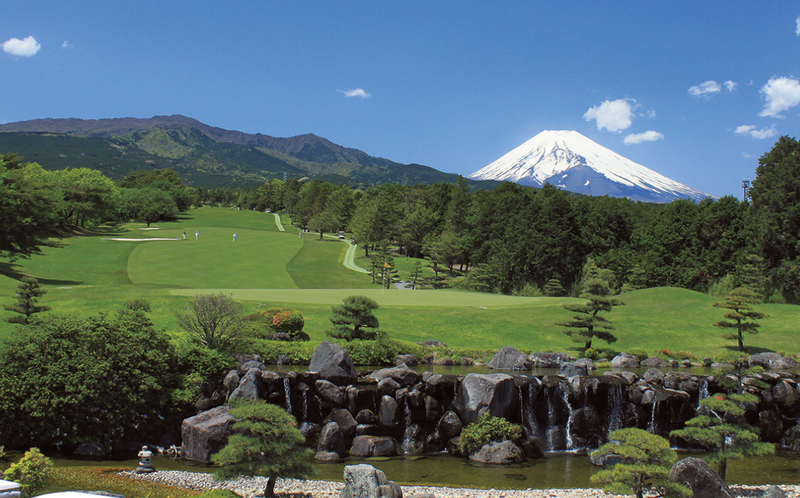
(197, 235)
(234, 236)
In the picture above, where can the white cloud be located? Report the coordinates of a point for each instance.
(612, 115)
(752, 132)
(705, 89)
(27, 47)
(782, 94)
(648, 136)
(797, 29)
(356, 92)
(67, 44)
(730, 85)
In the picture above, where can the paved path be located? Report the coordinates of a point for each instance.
(350, 256)
(278, 222)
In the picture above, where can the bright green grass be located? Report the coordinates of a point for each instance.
(319, 265)
(265, 268)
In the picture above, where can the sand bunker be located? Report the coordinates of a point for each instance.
(151, 228)
(139, 240)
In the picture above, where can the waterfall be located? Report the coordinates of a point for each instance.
(567, 429)
(551, 421)
(527, 416)
(407, 428)
(703, 392)
(652, 426)
(287, 389)
(615, 408)
(305, 405)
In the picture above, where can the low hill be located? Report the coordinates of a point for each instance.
(206, 156)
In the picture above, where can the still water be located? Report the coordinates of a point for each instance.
(557, 470)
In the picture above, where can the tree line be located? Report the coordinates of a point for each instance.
(512, 239)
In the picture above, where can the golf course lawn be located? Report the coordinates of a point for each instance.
(266, 267)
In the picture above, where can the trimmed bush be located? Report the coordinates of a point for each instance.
(486, 430)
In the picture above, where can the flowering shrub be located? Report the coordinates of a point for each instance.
(287, 320)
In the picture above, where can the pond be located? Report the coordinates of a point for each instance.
(556, 470)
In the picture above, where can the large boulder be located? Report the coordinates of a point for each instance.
(329, 391)
(401, 374)
(373, 446)
(625, 360)
(654, 361)
(501, 453)
(91, 449)
(700, 478)
(206, 433)
(347, 423)
(509, 358)
(365, 481)
(333, 363)
(773, 361)
(574, 369)
(250, 387)
(331, 440)
(482, 393)
(549, 360)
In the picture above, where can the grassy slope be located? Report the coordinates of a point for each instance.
(265, 267)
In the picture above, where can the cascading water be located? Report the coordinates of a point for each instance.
(305, 405)
(287, 389)
(615, 408)
(526, 414)
(703, 392)
(568, 428)
(551, 422)
(652, 426)
(406, 443)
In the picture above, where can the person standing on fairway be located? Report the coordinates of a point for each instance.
(184, 235)
(197, 235)
(234, 236)
(300, 234)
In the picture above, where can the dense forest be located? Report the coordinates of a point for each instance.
(512, 239)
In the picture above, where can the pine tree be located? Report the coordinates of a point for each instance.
(553, 288)
(389, 272)
(751, 275)
(415, 275)
(645, 461)
(587, 323)
(265, 441)
(721, 429)
(28, 293)
(352, 317)
(739, 303)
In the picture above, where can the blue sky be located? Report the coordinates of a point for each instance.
(694, 90)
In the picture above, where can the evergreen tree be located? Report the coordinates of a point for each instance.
(645, 460)
(31, 472)
(265, 441)
(553, 288)
(751, 275)
(352, 317)
(415, 275)
(739, 303)
(28, 294)
(721, 429)
(388, 272)
(587, 323)
(636, 280)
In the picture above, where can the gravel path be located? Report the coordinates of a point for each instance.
(253, 486)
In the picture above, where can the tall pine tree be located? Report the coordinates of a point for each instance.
(28, 294)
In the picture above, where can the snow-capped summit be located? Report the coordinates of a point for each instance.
(573, 162)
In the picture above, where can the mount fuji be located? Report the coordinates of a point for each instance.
(573, 162)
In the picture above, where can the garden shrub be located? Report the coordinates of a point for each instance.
(686, 355)
(639, 353)
(287, 320)
(600, 353)
(486, 430)
(299, 353)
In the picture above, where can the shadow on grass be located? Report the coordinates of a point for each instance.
(749, 349)
(11, 270)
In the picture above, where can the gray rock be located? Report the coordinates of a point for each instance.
(373, 446)
(329, 391)
(700, 478)
(654, 361)
(549, 360)
(587, 362)
(333, 363)
(408, 359)
(327, 456)
(244, 367)
(432, 343)
(250, 387)
(449, 426)
(773, 361)
(206, 433)
(481, 393)
(365, 417)
(574, 369)
(774, 492)
(91, 449)
(388, 386)
(625, 360)
(331, 440)
(231, 382)
(509, 358)
(653, 375)
(403, 375)
(388, 411)
(365, 481)
(347, 423)
(499, 453)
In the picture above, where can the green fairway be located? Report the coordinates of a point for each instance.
(266, 267)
